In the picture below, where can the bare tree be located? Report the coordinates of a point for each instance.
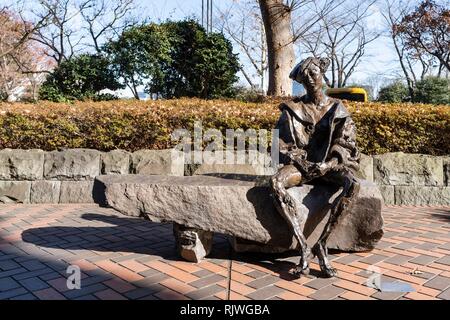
(61, 34)
(104, 19)
(395, 11)
(75, 26)
(244, 25)
(342, 35)
(285, 22)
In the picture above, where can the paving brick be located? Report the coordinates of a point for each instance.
(398, 259)
(172, 271)
(202, 273)
(32, 274)
(168, 294)
(445, 295)
(255, 274)
(423, 260)
(109, 294)
(263, 282)
(327, 293)
(13, 293)
(33, 284)
(119, 285)
(320, 283)
(349, 295)
(444, 260)
(150, 280)
(439, 283)
(351, 286)
(206, 281)
(294, 287)
(49, 294)
(265, 293)
(6, 265)
(8, 284)
(388, 295)
(204, 292)
(178, 286)
(143, 292)
(418, 296)
(26, 296)
(77, 293)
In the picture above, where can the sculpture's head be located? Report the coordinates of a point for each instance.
(310, 72)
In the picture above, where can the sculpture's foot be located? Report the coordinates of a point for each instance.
(301, 270)
(325, 267)
(328, 271)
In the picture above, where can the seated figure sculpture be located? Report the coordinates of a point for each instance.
(317, 144)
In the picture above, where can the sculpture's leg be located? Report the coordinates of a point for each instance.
(288, 177)
(192, 244)
(350, 190)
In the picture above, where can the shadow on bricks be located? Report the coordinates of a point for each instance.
(116, 234)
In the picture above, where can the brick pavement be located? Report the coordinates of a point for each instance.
(126, 258)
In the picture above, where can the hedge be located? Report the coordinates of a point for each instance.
(133, 125)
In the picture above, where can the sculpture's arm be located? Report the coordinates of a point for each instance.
(343, 147)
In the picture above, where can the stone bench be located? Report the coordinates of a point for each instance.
(240, 206)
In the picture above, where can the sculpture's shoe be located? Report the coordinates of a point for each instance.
(299, 270)
(329, 272)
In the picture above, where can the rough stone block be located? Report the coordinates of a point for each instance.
(419, 195)
(158, 162)
(116, 162)
(243, 208)
(388, 194)
(253, 163)
(15, 191)
(72, 164)
(446, 162)
(402, 169)
(76, 192)
(365, 168)
(45, 191)
(17, 164)
(192, 244)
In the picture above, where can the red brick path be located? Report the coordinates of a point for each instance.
(124, 258)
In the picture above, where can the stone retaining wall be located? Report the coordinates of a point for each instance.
(67, 176)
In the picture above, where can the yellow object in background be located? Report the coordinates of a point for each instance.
(351, 94)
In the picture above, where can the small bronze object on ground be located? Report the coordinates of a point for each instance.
(317, 141)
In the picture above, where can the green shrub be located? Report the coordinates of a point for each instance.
(394, 93)
(433, 90)
(134, 125)
(79, 78)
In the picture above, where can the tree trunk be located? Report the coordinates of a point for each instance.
(277, 24)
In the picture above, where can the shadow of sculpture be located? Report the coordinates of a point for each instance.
(115, 234)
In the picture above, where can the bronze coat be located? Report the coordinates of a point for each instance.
(332, 135)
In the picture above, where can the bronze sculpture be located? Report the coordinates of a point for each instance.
(317, 144)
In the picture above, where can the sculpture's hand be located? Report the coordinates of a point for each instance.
(320, 169)
(297, 155)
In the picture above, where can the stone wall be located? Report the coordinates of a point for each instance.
(67, 176)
